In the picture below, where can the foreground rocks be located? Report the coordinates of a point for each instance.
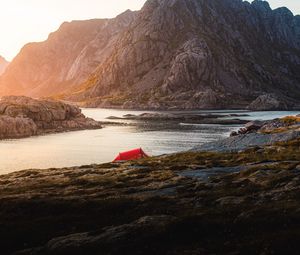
(23, 117)
(255, 134)
(188, 203)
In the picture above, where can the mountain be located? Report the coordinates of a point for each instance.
(65, 59)
(201, 54)
(184, 54)
(3, 65)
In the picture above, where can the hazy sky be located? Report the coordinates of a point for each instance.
(23, 21)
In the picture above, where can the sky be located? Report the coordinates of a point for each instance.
(23, 21)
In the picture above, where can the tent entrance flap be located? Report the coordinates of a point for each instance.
(131, 155)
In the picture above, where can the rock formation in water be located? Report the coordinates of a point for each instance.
(3, 65)
(23, 117)
(172, 54)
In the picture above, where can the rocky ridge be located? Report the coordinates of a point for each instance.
(23, 117)
(173, 54)
(202, 54)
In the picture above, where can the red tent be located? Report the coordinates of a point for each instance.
(131, 155)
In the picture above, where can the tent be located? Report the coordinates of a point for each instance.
(131, 155)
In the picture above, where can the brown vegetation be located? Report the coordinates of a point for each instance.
(152, 207)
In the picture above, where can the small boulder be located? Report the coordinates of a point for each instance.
(254, 125)
(234, 133)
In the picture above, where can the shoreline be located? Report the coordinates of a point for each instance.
(183, 199)
(184, 109)
(108, 156)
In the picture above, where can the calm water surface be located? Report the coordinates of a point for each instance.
(98, 146)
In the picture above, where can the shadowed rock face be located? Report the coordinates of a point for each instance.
(3, 65)
(23, 117)
(172, 54)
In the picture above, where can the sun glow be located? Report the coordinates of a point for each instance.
(32, 20)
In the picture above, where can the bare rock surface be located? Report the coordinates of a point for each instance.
(243, 142)
(201, 55)
(269, 102)
(24, 117)
(255, 134)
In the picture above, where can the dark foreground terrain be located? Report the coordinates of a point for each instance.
(190, 203)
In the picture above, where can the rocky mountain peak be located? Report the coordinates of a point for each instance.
(262, 5)
(185, 51)
(171, 54)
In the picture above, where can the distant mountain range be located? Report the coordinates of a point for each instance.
(3, 65)
(173, 54)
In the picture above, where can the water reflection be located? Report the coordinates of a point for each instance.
(98, 146)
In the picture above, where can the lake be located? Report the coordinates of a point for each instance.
(99, 146)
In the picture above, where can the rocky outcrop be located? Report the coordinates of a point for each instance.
(257, 134)
(3, 65)
(247, 203)
(269, 102)
(243, 142)
(24, 117)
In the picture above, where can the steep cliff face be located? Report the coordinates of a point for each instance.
(65, 60)
(172, 54)
(201, 54)
(3, 65)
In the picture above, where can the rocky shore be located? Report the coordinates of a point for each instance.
(257, 133)
(23, 117)
(197, 202)
(189, 118)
